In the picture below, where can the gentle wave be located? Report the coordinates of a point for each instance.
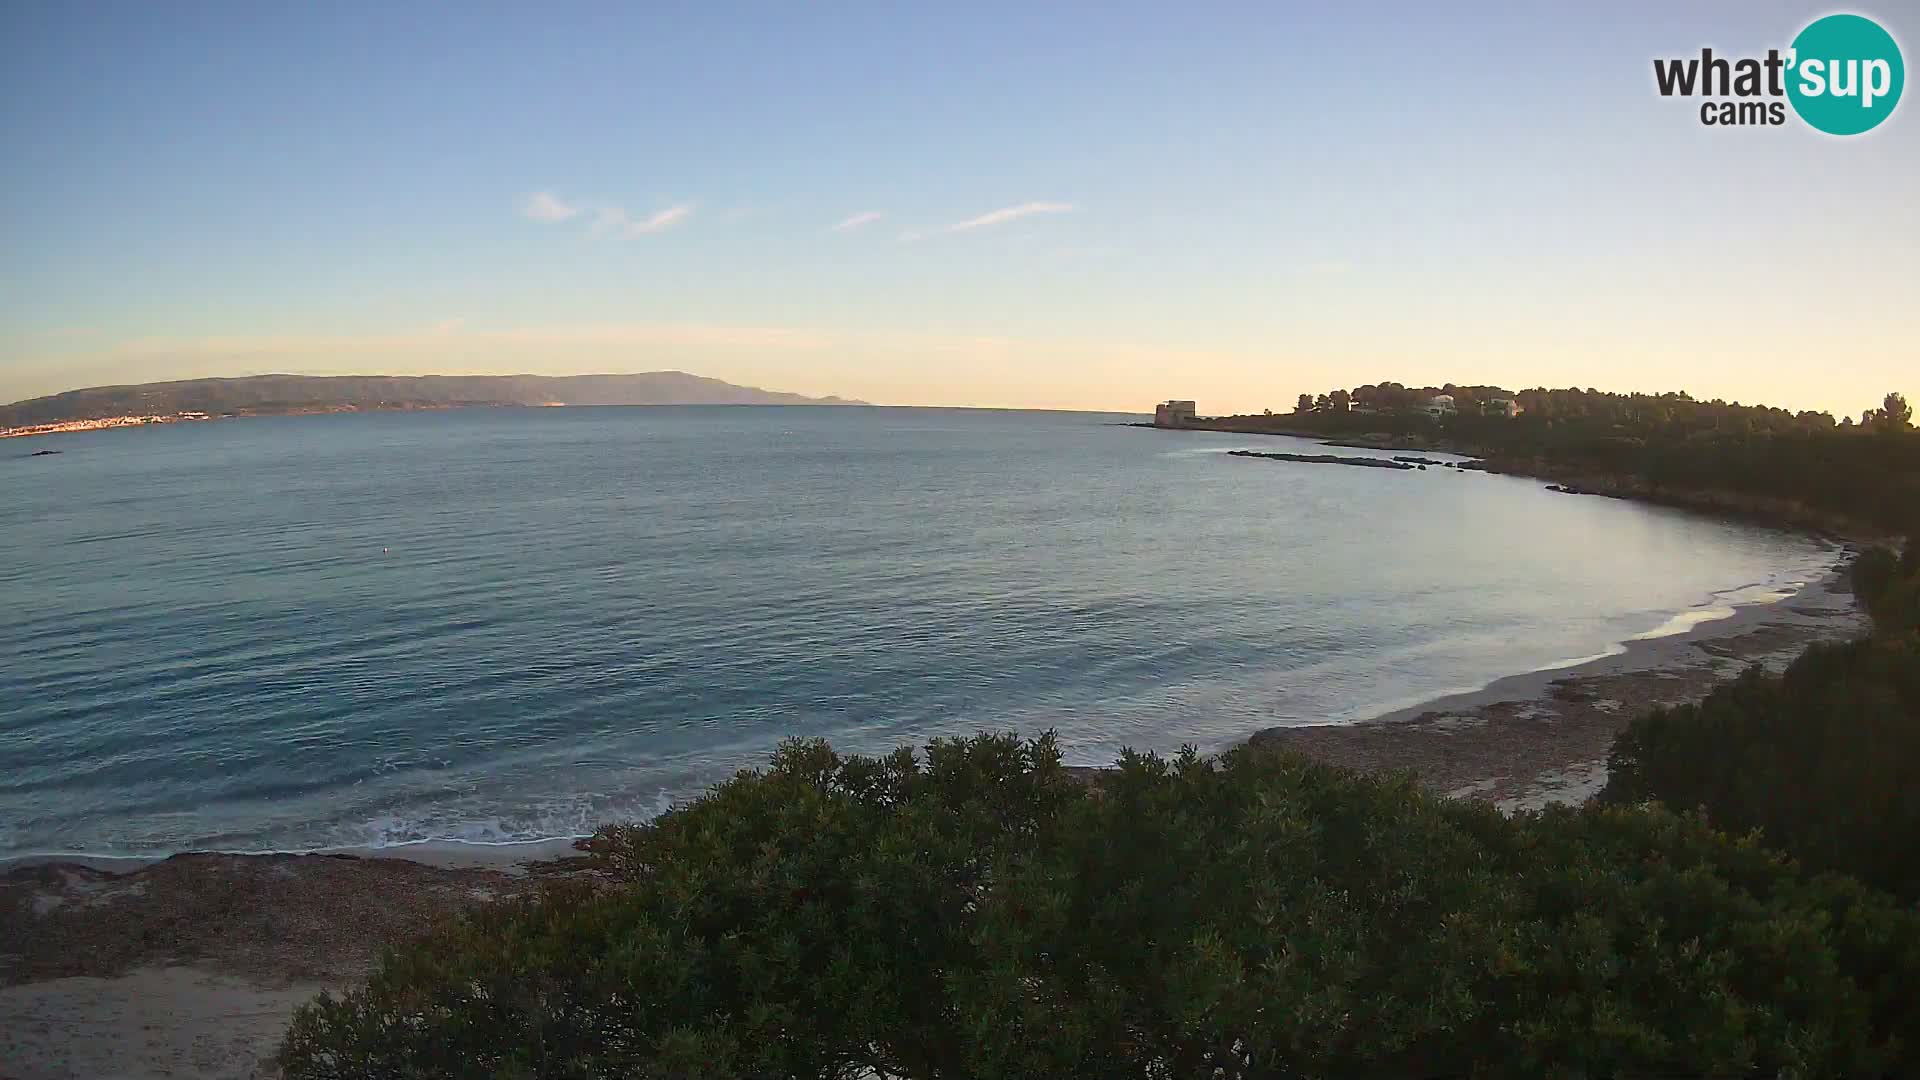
(586, 614)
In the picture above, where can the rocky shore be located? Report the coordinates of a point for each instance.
(1539, 738)
(1763, 510)
(190, 966)
(1326, 459)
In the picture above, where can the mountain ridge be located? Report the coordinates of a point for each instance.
(253, 395)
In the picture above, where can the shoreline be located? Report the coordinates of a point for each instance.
(1765, 511)
(1538, 738)
(1652, 655)
(192, 964)
(511, 856)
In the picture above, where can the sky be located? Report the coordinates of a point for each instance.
(1079, 206)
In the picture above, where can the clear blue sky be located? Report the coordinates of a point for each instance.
(1078, 206)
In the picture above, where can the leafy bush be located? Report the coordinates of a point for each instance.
(1824, 760)
(1889, 586)
(982, 912)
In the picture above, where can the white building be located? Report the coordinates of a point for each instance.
(1501, 406)
(1173, 414)
(1440, 405)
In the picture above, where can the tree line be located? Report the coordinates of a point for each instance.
(1803, 468)
(1630, 412)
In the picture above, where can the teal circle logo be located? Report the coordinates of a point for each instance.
(1845, 74)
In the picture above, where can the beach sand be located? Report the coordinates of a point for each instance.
(190, 966)
(1532, 740)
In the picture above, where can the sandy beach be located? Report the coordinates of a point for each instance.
(190, 966)
(1542, 737)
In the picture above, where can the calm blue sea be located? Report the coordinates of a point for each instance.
(499, 625)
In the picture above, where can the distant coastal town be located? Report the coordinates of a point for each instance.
(98, 423)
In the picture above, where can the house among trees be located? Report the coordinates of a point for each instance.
(1500, 406)
(1440, 405)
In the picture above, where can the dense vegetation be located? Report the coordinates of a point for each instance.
(982, 913)
(1803, 468)
(311, 393)
(1823, 760)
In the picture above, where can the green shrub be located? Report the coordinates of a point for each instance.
(1889, 588)
(1824, 759)
(983, 913)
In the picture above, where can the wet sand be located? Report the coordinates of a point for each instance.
(190, 966)
(1531, 740)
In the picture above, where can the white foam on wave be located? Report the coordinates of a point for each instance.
(1685, 621)
(1749, 595)
(569, 819)
(1729, 602)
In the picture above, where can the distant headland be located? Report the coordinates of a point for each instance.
(268, 395)
(1806, 470)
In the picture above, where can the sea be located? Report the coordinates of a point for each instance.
(504, 625)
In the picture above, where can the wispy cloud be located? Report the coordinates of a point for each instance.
(864, 217)
(1010, 213)
(550, 208)
(547, 207)
(616, 219)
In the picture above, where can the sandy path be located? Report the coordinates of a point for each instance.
(151, 1022)
(191, 966)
